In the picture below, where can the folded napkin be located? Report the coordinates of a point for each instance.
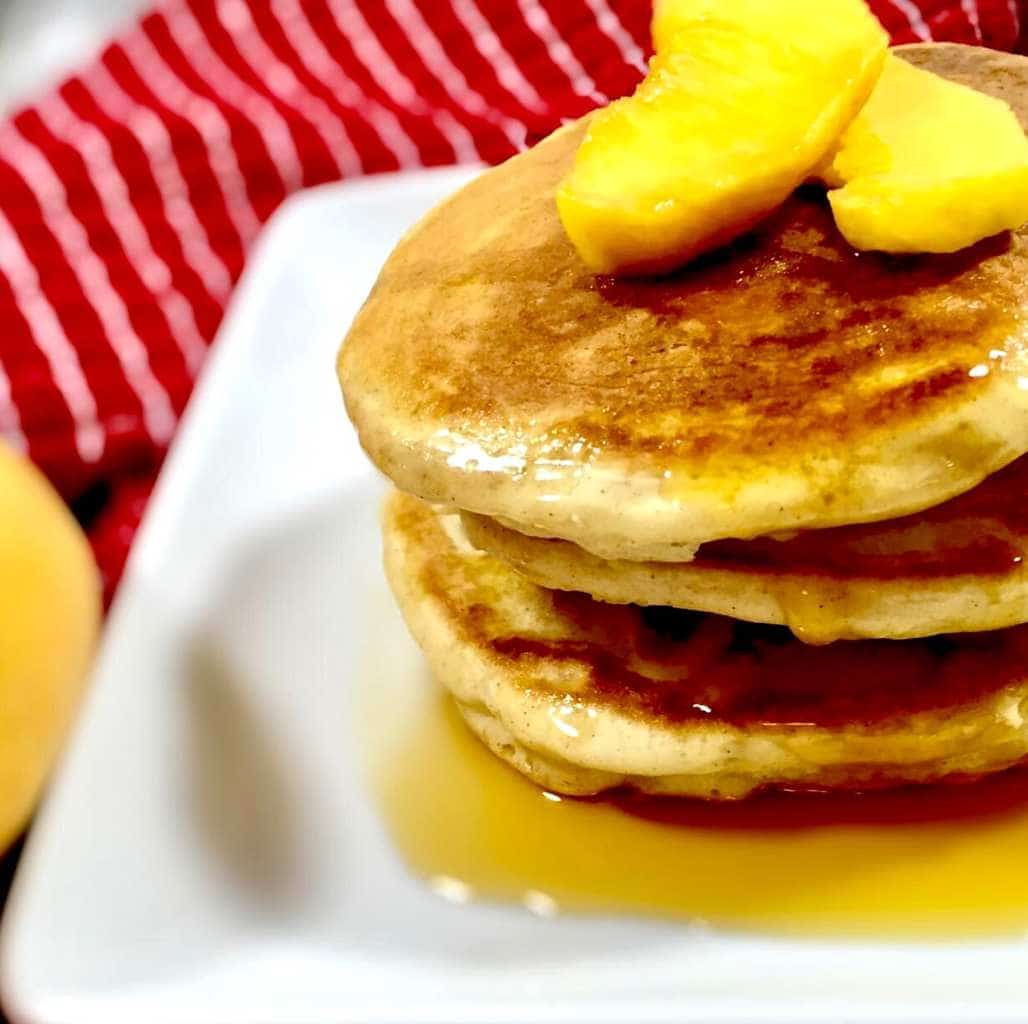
(130, 196)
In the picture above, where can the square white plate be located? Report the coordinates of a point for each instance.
(210, 851)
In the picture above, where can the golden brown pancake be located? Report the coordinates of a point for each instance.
(783, 382)
(957, 567)
(583, 696)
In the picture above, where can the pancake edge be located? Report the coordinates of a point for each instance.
(712, 760)
(818, 609)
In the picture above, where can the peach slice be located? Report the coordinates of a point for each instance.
(742, 101)
(928, 166)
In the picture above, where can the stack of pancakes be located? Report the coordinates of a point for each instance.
(759, 523)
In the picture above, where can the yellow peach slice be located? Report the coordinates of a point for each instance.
(742, 101)
(928, 166)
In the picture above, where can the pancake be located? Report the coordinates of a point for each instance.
(958, 567)
(583, 696)
(784, 382)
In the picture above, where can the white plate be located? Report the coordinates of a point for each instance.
(210, 851)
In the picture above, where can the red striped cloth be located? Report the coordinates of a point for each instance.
(130, 196)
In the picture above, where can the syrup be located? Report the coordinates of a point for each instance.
(930, 862)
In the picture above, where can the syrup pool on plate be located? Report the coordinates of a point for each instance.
(942, 862)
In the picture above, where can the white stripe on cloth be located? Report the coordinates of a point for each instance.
(427, 46)
(610, 25)
(35, 170)
(116, 206)
(154, 140)
(491, 47)
(559, 52)
(10, 423)
(176, 96)
(282, 81)
(60, 355)
(200, 55)
(314, 55)
(915, 19)
(394, 83)
(971, 12)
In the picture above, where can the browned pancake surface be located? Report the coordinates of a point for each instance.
(752, 351)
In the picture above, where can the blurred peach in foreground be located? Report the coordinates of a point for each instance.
(50, 611)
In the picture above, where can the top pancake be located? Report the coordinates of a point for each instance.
(783, 382)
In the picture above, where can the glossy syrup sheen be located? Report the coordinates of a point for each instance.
(943, 862)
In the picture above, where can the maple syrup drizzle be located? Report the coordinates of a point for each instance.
(937, 862)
